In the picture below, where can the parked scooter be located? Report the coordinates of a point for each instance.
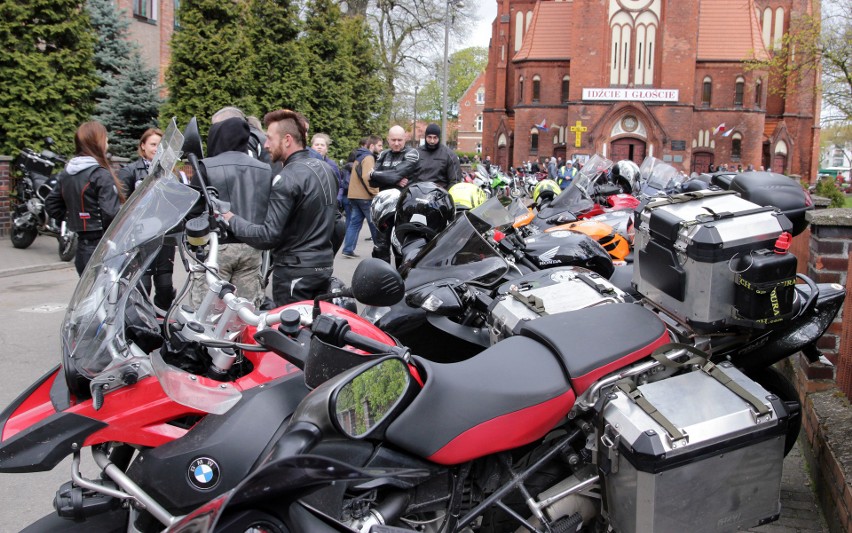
(177, 412)
(29, 219)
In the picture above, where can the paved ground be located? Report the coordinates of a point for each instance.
(799, 514)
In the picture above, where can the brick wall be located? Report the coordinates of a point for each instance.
(5, 195)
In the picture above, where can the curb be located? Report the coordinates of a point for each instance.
(31, 269)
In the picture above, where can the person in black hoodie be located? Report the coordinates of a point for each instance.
(89, 192)
(245, 183)
(438, 164)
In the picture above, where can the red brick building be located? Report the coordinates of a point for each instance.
(152, 23)
(633, 78)
(471, 105)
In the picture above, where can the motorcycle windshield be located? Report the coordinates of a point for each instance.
(656, 177)
(578, 193)
(92, 332)
(459, 252)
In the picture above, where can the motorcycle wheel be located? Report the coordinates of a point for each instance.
(777, 383)
(67, 246)
(23, 237)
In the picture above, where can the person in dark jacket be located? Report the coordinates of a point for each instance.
(438, 164)
(159, 274)
(394, 168)
(244, 182)
(360, 193)
(89, 193)
(301, 213)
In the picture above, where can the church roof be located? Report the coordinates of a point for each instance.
(728, 30)
(547, 36)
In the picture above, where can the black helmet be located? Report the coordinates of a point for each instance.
(424, 210)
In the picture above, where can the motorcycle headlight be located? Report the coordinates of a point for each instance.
(34, 206)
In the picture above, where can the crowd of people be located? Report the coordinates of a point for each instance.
(277, 193)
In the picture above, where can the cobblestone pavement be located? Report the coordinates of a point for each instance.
(800, 512)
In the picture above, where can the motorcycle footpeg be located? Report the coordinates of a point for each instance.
(76, 503)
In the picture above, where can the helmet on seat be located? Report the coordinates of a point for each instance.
(383, 208)
(466, 195)
(625, 173)
(545, 191)
(424, 210)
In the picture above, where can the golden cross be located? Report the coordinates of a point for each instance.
(578, 129)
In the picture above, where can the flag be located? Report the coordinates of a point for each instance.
(542, 126)
(727, 133)
(719, 128)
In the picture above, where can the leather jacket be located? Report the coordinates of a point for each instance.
(241, 180)
(300, 216)
(391, 167)
(440, 165)
(88, 197)
(131, 175)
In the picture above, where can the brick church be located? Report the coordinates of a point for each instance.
(634, 78)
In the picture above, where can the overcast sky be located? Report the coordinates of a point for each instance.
(481, 32)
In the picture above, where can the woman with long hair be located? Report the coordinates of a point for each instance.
(89, 193)
(159, 274)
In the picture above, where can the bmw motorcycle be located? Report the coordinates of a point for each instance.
(174, 412)
(29, 219)
(547, 430)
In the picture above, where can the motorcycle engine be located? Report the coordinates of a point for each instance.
(35, 206)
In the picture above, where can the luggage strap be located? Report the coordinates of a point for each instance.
(531, 301)
(628, 388)
(715, 372)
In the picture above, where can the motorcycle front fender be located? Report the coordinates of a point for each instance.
(35, 436)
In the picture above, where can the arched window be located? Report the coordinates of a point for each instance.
(534, 141)
(706, 91)
(778, 31)
(758, 94)
(521, 90)
(739, 88)
(480, 96)
(736, 147)
(479, 123)
(566, 84)
(536, 95)
(766, 28)
(519, 30)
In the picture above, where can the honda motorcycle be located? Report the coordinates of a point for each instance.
(173, 412)
(29, 219)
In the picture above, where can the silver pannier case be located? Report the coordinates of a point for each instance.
(689, 247)
(708, 460)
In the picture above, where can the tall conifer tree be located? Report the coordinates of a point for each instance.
(211, 62)
(48, 73)
(127, 101)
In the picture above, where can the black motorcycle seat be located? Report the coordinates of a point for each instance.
(506, 396)
(596, 341)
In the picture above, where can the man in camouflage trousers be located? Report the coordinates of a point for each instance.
(245, 183)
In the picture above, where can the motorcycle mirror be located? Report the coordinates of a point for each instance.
(192, 140)
(370, 398)
(440, 299)
(376, 283)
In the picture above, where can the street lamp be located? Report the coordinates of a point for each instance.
(457, 4)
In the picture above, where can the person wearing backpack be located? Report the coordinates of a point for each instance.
(360, 193)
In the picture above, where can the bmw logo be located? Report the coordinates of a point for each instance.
(203, 473)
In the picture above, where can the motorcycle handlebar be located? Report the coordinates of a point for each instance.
(371, 345)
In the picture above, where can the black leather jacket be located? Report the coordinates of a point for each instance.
(89, 199)
(241, 180)
(440, 165)
(300, 216)
(391, 167)
(132, 174)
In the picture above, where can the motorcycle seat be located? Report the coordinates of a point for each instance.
(597, 341)
(506, 396)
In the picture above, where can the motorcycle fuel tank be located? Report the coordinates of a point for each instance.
(568, 248)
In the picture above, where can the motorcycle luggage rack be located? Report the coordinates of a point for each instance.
(517, 483)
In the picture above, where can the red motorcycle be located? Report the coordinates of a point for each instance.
(175, 411)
